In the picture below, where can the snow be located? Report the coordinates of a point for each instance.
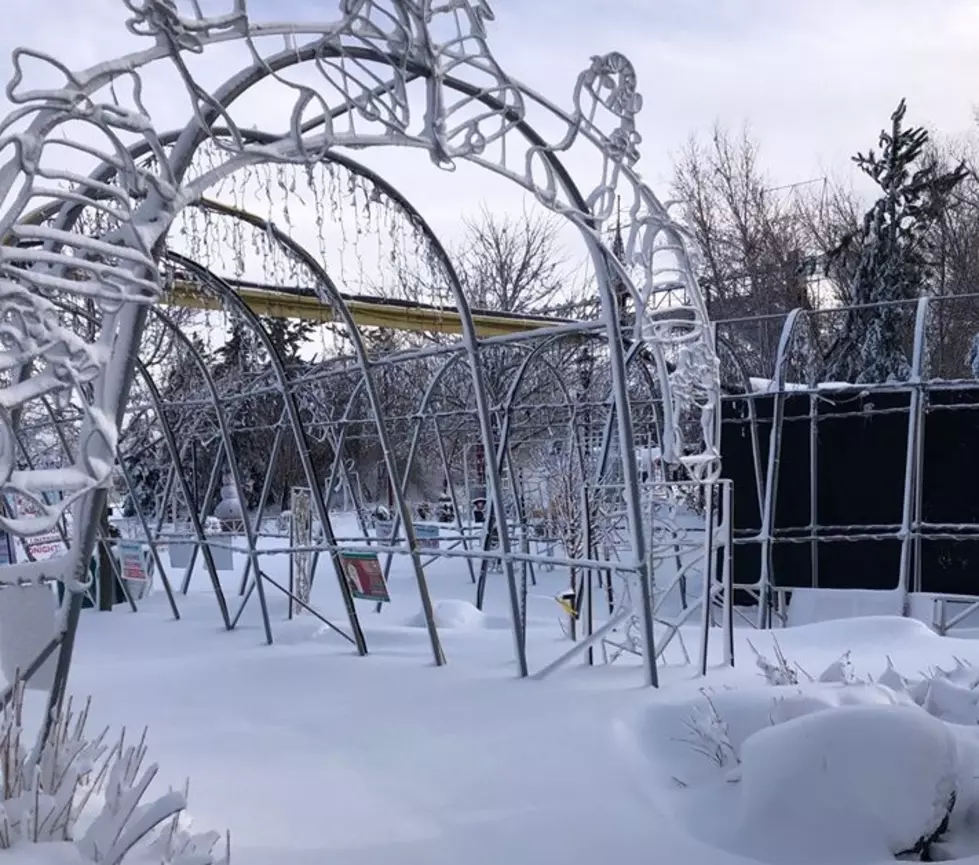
(459, 615)
(763, 385)
(308, 753)
(877, 778)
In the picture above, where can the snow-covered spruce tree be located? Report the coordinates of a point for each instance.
(889, 255)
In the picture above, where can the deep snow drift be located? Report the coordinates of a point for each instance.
(310, 754)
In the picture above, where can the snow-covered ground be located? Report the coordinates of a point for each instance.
(311, 754)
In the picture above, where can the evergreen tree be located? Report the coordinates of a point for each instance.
(890, 252)
(288, 336)
(238, 354)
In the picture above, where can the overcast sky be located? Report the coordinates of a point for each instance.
(816, 79)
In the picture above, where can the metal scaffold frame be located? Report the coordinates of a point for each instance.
(85, 264)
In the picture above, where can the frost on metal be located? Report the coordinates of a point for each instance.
(47, 268)
(84, 248)
(365, 61)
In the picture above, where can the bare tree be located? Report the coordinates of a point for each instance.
(954, 251)
(512, 263)
(751, 239)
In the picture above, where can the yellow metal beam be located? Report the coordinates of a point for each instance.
(427, 319)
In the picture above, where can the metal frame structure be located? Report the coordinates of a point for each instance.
(535, 354)
(80, 267)
(793, 371)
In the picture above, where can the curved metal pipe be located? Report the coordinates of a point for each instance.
(335, 299)
(170, 443)
(235, 472)
(299, 432)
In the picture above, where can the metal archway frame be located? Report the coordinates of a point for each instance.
(143, 228)
(228, 295)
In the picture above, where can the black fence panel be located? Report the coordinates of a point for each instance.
(950, 492)
(861, 449)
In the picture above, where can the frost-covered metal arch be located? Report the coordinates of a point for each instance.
(118, 270)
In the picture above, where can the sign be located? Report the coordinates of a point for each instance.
(426, 536)
(44, 547)
(302, 536)
(180, 550)
(28, 622)
(135, 568)
(364, 576)
(132, 560)
(384, 531)
(40, 548)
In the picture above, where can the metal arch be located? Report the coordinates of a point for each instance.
(912, 456)
(469, 338)
(339, 444)
(634, 353)
(170, 440)
(508, 403)
(378, 181)
(471, 343)
(771, 474)
(721, 340)
(504, 453)
(532, 353)
(68, 216)
(167, 588)
(421, 414)
(171, 444)
(436, 379)
(187, 141)
(194, 135)
(177, 163)
(334, 297)
(501, 446)
(233, 469)
(302, 442)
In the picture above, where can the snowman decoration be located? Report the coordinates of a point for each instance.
(229, 509)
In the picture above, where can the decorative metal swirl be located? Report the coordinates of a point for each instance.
(365, 61)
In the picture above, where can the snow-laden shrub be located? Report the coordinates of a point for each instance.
(708, 734)
(859, 769)
(779, 671)
(75, 799)
(867, 781)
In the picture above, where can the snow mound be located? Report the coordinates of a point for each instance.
(673, 742)
(858, 784)
(858, 631)
(454, 615)
(830, 769)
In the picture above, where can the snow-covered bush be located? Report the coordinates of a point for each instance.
(75, 799)
(835, 767)
(779, 672)
(708, 735)
(865, 782)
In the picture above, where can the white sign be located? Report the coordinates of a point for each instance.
(384, 532)
(132, 560)
(426, 536)
(28, 622)
(40, 548)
